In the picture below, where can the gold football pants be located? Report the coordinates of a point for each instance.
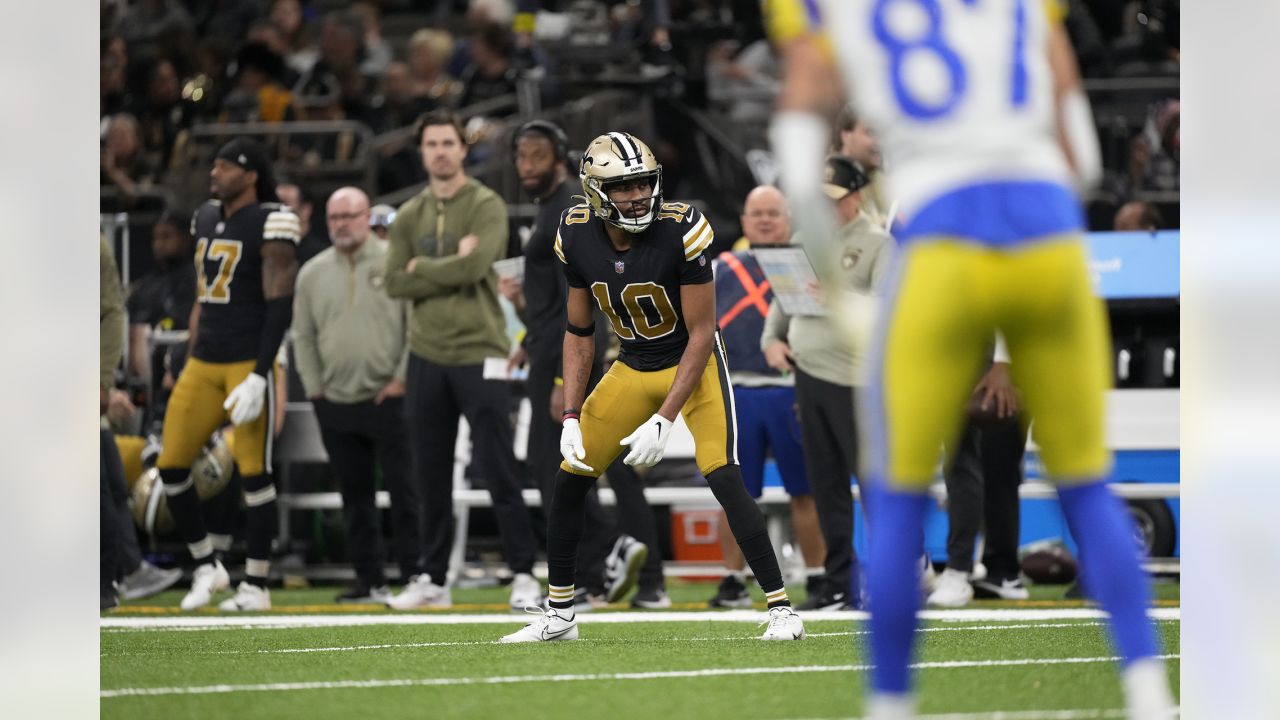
(626, 397)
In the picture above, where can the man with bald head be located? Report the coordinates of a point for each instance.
(350, 342)
(764, 398)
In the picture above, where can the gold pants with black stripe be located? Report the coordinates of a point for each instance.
(195, 412)
(626, 397)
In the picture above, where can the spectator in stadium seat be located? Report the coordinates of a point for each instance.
(490, 74)
(825, 360)
(163, 114)
(315, 239)
(764, 397)
(349, 341)
(444, 242)
(158, 24)
(430, 84)
(113, 72)
(744, 83)
(258, 95)
(287, 15)
(123, 164)
(209, 83)
(228, 20)
(377, 53)
(342, 54)
(1137, 215)
(268, 33)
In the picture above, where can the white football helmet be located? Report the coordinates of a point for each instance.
(616, 157)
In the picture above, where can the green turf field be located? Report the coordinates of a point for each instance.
(1028, 658)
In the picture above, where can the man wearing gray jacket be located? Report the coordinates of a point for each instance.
(828, 365)
(350, 341)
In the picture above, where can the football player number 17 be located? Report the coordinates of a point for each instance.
(651, 323)
(932, 42)
(227, 254)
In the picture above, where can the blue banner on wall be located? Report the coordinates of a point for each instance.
(1134, 264)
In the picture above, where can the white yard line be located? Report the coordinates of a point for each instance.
(1075, 714)
(481, 643)
(214, 622)
(515, 679)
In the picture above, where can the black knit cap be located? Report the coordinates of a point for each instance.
(249, 155)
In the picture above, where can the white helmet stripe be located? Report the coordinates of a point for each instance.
(626, 149)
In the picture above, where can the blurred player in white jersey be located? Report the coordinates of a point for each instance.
(979, 111)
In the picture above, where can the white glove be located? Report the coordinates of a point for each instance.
(648, 442)
(245, 401)
(571, 446)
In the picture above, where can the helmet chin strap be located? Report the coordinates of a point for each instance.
(638, 224)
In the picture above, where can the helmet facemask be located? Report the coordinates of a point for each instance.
(616, 212)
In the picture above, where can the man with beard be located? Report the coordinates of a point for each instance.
(350, 345)
(444, 242)
(540, 150)
(246, 260)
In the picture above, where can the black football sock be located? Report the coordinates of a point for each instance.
(748, 526)
(260, 508)
(564, 532)
(184, 505)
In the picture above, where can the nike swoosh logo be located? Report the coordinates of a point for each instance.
(552, 636)
(659, 426)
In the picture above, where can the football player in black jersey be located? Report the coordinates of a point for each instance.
(644, 262)
(246, 261)
(541, 149)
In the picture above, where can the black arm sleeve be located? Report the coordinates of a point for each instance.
(279, 316)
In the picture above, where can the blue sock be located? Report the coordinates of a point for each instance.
(1109, 563)
(897, 541)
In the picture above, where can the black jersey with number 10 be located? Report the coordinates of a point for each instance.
(638, 289)
(229, 275)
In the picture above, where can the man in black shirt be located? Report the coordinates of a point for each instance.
(160, 302)
(540, 150)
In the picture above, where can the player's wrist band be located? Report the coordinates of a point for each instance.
(587, 331)
(569, 415)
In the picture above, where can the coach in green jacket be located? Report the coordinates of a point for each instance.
(444, 242)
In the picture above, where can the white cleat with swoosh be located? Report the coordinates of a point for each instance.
(550, 625)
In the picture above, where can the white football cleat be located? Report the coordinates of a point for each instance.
(928, 576)
(550, 625)
(890, 707)
(1146, 691)
(208, 579)
(952, 589)
(622, 567)
(147, 580)
(420, 592)
(526, 591)
(248, 598)
(784, 624)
